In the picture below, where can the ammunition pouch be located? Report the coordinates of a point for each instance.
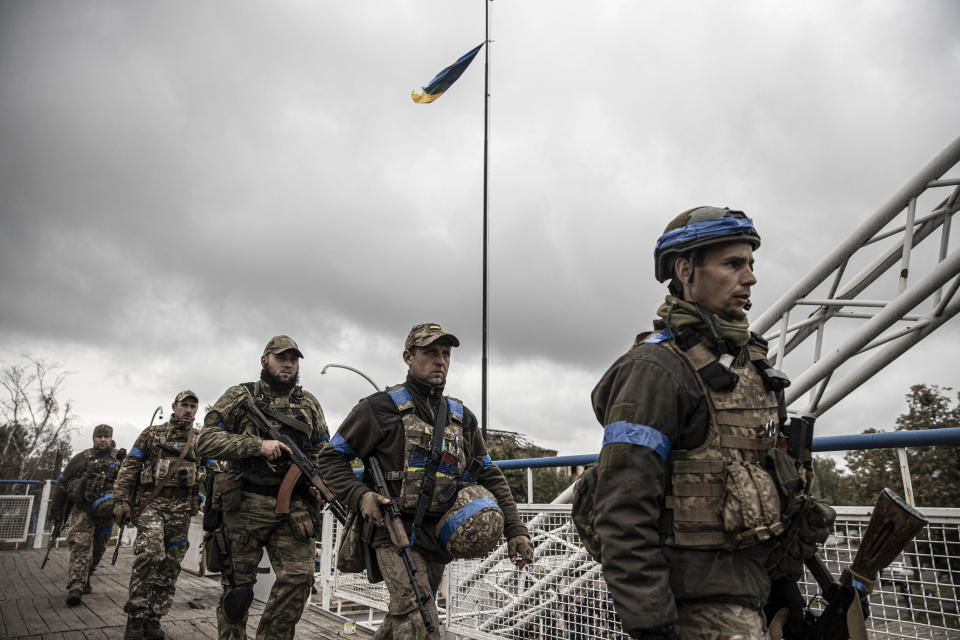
(76, 490)
(367, 531)
(582, 512)
(751, 506)
(235, 602)
(227, 491)
(349, 554)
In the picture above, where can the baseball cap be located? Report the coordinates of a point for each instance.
(428, 333)
(279, 344)
(184, 395)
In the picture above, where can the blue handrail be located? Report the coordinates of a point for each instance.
(892, 440)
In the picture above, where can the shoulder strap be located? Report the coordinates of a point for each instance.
(430, 473)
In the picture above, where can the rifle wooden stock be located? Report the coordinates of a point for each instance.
(893, 524)
(398, 535)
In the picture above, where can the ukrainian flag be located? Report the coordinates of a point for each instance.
(442, 81)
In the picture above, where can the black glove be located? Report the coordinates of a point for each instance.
(786, 594)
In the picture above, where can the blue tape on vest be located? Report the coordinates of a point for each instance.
(321, 439)
(113, 464)
(400, 395)
(342, 447)
(463, 514)
(209, 461)
(859, 585)
(663, 336)
(447, 468)
(638, 434)
(485, 462)
(466, 476)
(137, 453)
(455, 408)
(105, 532)
(105, 496)
(223, 427)
(175, 544)
(61, 478)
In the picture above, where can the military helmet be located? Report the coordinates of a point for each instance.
(472, 527)
(698, 228)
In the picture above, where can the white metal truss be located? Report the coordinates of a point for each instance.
(909, 305)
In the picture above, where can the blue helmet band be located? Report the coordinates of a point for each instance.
(704, 230)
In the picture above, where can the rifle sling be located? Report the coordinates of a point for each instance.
(288, 420)
(430, 472)
(170, 473)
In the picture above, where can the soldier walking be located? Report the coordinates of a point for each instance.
(687, 508)
(87, 482)
(158, 488)
(416, 433)
(261, 510)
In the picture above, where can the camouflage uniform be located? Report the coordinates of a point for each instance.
(229, 435)
(89, 477)
(384, 425)
(163, 523)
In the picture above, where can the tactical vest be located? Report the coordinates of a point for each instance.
(94, 486)
(257, 470)
(418, 436)
(160, 462)
(720, 494)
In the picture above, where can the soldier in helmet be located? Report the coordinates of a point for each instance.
(259, 508)
(159, 489)
(87, 482)
(402, 428)
(686, 511)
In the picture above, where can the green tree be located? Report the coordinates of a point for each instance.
(830, 483)
(870, 471)
(934, 471)
(547, 483)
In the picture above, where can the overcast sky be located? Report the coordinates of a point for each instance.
(179, 181)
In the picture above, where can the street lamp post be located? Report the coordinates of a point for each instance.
(356, 371)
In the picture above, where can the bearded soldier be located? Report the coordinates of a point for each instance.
(686, 502)
(158, 488)
(421, 437)
(88, 483)
(259, 508)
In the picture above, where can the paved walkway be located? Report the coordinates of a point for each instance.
(31, 603)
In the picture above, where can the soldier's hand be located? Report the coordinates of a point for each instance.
(520, 551)
(301, 523)
(273, 449)
(316, 496)
(370, 507)
(121, 511)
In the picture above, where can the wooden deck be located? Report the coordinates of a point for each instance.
(32, 603)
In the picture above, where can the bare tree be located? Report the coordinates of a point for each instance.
(35, 424)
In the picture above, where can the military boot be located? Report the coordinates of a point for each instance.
(134, 629)
(74, 597)
(152, 630)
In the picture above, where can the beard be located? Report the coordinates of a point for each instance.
(276, 383)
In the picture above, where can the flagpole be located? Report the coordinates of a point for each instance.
(486, 144)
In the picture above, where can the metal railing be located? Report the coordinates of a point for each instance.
(563, 595)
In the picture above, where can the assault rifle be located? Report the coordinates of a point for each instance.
(57, 528)
(398, 535)
(310, 472)
(893, 524)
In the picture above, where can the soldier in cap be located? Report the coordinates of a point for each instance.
(401, 428)
(159, 491)
(686, 509)
(87, 482)
(259, 508)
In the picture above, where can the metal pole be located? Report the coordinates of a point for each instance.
(486, 145)
(529, 485)
(42, 515)
(356, 371)
(933, 170)
(905, 472)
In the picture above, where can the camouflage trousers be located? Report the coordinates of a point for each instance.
(720, 621)
(403, 620)
(158, 551)
(249, 529)
(88, 540)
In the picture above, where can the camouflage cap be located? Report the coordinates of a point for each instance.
(103, 430)
(279, 344)
(428, 333)
(183, 395)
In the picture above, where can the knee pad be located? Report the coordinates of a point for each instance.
(235, 601)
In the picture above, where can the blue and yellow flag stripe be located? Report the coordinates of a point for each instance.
(442, 81)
